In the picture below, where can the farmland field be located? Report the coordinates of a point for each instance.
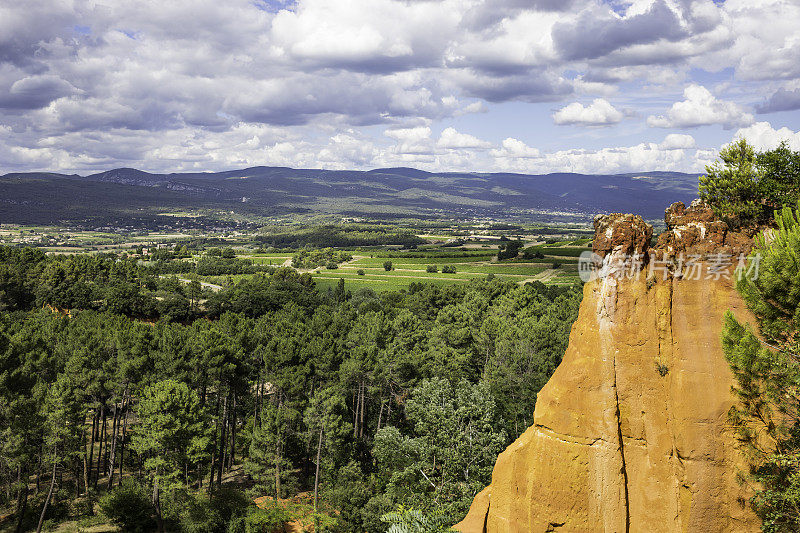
(414, 269)
(547, 259)
(406, 271)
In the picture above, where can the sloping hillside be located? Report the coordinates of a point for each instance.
(394, 192)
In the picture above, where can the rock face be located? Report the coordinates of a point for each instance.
(695, 230)
(630, 433)
(626, 234)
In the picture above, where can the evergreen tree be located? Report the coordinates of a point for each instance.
(351, 396)
(780, 181)
(767, 371)
(730, 185)
(456, 437)
(170, 436)
(266, 461)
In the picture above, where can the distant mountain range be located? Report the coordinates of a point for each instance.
(127, 193)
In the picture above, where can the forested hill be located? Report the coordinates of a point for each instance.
(393, 192)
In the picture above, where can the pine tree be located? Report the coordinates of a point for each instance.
(780, 181)
(730, 185)
(266, 461)
(767, 371)
(170, 436)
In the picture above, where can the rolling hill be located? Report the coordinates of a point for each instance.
(126, 193)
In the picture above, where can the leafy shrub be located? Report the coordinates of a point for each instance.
(199, 515)
(128, 507)
(266, 520)
(230, 503)
(534, 252)
(331, 266)
(186, 512)
(387, 266)
(360, 272)
(413, 521)
(448, 269)
(433, 269)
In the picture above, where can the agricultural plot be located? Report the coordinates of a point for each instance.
(558, 265)
(415, 269)
(268, 259)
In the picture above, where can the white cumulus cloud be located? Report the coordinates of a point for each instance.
(451, 139)
(416, 140)
(764, 137)
(210, 85)
(512, 148)
(701, 108)
(677, 141)
(675, 153)
(599, 113)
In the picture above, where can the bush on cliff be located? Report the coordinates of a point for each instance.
(730, 185)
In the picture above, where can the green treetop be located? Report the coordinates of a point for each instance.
(744, 187)
(170, 436)
(730, 185)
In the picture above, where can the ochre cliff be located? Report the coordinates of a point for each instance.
(630, 433)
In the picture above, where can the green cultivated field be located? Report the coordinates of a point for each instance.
(554, 262)
(410, 270)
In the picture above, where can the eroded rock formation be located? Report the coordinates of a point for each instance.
(630, 434)
(695, 230)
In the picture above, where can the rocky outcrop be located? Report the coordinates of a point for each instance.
(624, 234)
(630, 434)
(696, 230)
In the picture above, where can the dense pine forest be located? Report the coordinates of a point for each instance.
(153, 404)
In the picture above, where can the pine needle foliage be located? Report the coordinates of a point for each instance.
(766, 366)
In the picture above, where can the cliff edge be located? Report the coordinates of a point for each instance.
(630, 433)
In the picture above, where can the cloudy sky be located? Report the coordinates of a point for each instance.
(485, 85)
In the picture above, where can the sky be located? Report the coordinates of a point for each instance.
(531, 86)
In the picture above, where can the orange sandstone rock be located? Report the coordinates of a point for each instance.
(630, 434)
(696, 230)
(627, 234)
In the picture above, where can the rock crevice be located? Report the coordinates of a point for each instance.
(624, 471)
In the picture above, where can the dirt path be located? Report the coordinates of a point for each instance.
(355, 258)
(421, 278)
(542, 276)
(204, 284)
